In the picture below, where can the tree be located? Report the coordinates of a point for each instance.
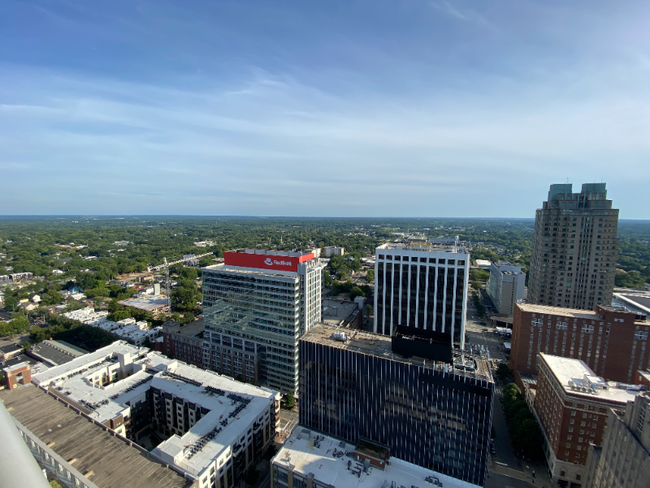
(369, 310)
(55, 484)
(503, 372)
(188, 318)
(356, 292)
(370, 276)
(17, 325)
(290, 400)
(118, 315)
(26, 346)
(327, 278)
(10, 303)
(52, 297)
(478, 275)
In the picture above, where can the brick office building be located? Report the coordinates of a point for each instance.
(572, 405)
(611, 341)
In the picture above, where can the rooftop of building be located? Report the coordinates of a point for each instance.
(271, 273)
(14, 367)
(228, 416)
(192, 329)
(308, 452)
(36, 366)
(577, 379)
(57, 352)
(424, 245)
(272, 252)
(576, 313)
(336, 311)
(640, 300)
(111, 459)
(10, 348)
(379, 345)
(146, 303)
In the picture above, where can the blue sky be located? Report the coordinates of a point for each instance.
(331, 108)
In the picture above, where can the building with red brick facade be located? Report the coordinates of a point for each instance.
(611, 341)
(18, 374)
(184, 343)
(572, 405)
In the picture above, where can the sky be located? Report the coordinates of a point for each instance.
(467, 108)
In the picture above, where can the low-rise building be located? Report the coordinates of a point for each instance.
(572, 405)
(129, 329)
(329, 251)
(54, 353)
(623, 460)
(611, 341)
(318, 461)
(156, 303)
(80, 452)
(10, 351)
(213, 427)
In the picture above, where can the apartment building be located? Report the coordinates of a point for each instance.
(213, 428)
(575, 248)
(610, 340)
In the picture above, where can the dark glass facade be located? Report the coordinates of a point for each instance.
(428, 415)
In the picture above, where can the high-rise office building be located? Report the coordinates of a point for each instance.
(623, 459)
(422, 285)
(393, 392)
(575, 248)
(256, 306)
(506, 286)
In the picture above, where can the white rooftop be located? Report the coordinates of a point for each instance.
(577, 379)
(300, 455)
(227, 419)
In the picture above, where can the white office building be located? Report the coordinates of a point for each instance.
(257, 305)
(422, 284)
(506, 286)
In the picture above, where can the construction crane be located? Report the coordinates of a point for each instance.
(168, 286)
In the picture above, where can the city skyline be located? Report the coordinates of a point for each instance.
(411, 108)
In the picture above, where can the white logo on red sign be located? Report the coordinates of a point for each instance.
(268, 262)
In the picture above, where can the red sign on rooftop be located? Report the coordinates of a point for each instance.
(265, 261)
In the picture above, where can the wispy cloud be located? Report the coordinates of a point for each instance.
(296, 126)
(464, 14)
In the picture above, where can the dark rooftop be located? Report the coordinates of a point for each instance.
(193, 329)
(113, 461)
(57, 352)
